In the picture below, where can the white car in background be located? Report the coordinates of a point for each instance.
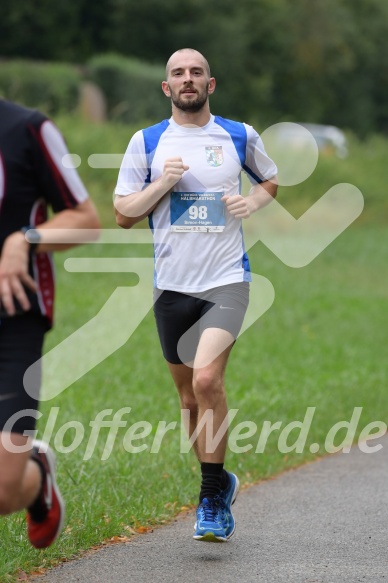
(295, 148)
(328, 138)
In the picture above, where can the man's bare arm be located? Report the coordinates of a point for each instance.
(133, 208)
(259, 196)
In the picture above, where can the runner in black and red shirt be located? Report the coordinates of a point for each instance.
(33, 178)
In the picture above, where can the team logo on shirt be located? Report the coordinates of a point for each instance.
(214, 155)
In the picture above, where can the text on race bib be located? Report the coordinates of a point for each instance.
(197, 212)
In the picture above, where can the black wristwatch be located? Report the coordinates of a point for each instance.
(34, 237)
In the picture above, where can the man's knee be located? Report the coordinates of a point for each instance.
(207, 386)
(189, 403)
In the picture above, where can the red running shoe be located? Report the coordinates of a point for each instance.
(45, 517)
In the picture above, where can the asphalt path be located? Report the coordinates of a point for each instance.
(326, 522)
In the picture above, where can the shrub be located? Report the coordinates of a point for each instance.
(131, 87)
(50, 87)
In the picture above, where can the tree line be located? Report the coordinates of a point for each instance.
(323, 61)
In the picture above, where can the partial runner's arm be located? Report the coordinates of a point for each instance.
(55, 234)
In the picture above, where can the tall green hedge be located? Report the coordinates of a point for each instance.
(132, 88)
(50, 87)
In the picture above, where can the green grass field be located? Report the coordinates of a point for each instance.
(322, 344)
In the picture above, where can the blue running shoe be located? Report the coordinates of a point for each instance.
(209, 526)
(227, 498)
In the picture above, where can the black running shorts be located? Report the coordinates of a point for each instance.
(175, 313)
(21, 341)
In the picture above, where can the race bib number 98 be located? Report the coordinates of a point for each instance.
(197, 212)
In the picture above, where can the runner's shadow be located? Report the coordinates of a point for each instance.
(216, 555)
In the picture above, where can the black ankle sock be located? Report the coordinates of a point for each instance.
(211, 480)
(224, 480)
(37, 510)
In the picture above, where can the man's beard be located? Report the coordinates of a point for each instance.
(192, 106)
